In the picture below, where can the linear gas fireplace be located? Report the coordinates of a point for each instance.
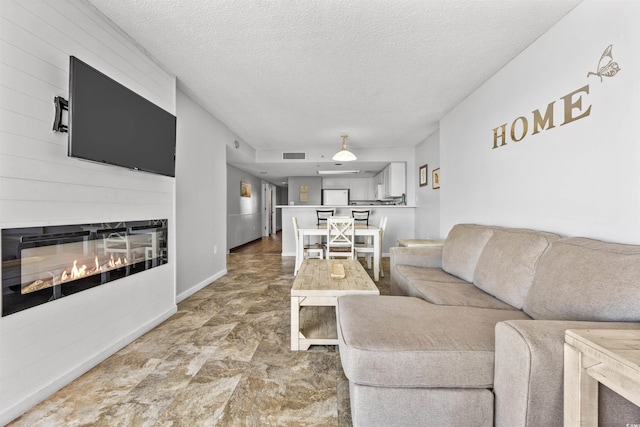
(42, 264)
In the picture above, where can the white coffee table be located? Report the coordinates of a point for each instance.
(316, 291)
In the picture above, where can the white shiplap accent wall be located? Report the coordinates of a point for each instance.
(43, 348)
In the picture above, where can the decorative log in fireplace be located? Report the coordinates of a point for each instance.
(42, 264)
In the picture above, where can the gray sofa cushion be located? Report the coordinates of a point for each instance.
(425, 345)
(585, 279)
(462, 249)
(438, 287)
(459, 294)
(508, 262)
(404, 278)
(412, 273)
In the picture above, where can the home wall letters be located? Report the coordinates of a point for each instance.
(572, 106)
(520, 126)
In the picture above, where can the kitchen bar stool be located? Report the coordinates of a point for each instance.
(361, 216)
(323, 215)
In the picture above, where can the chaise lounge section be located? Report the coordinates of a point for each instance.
(473, 332)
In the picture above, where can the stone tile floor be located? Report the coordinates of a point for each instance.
(223, 359)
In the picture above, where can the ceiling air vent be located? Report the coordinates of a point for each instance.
(293, 156)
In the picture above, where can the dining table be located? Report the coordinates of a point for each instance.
(369, 232)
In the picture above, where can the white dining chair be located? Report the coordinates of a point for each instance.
(340, 237)
(306, 249)
(367, 249)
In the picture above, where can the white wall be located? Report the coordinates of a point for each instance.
(581, 178)
(428, 198)
(45, 347)
(244, 220)
(201, 182)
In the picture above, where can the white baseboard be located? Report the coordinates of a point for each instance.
(47, 390)
(186, 294)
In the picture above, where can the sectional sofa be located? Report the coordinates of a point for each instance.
(473, 332)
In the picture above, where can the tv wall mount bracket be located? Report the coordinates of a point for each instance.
(61, 104)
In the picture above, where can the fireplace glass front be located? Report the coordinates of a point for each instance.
(42, 264)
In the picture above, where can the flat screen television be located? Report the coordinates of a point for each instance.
(109, 123)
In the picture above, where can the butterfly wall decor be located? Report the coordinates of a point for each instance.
(607, 67)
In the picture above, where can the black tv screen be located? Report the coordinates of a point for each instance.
(109, 123)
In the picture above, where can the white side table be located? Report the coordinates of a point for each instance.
(592, 356)
(420, 242)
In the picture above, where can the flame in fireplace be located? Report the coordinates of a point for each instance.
(76, 272)
(83, 271)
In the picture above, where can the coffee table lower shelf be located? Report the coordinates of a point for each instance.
(317, 326)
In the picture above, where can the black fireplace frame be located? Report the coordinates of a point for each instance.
(19, 241)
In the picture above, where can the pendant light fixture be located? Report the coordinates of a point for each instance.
(343, 155)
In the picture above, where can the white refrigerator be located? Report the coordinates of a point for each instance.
(335, 197)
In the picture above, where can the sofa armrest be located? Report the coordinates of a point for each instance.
(417, 256)
(529, 372)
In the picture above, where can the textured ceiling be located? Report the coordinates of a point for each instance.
(294, 75)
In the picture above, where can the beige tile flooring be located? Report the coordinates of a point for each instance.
(223, 359)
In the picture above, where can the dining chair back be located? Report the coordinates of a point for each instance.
(306, 249)
(367, 248)
(340, 237)
(324, 214)
(383, 226)
(361, 216)
(116, 243)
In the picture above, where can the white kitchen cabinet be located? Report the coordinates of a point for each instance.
(360, 189)
(397, 179)
(385, 181)
(335, 183)
(394, 179)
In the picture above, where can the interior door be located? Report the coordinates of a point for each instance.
(266, 209)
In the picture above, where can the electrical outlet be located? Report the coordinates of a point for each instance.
(215, 249)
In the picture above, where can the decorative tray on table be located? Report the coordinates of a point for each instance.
(337, 271)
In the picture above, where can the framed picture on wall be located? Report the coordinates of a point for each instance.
(435, 179)
(245, 189)
(422, 174)
(304, 193)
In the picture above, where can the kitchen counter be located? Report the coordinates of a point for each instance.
(400, 222)
(343, 206)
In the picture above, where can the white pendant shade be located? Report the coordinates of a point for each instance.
(344, 155)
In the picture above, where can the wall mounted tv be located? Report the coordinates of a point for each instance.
(109, 123)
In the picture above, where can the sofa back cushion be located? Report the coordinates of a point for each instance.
(508, 262)
(462, 249)
(585, 279)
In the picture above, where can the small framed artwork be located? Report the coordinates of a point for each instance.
(304, 193)
(245, 189)
(422, 173)
(435, 179)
